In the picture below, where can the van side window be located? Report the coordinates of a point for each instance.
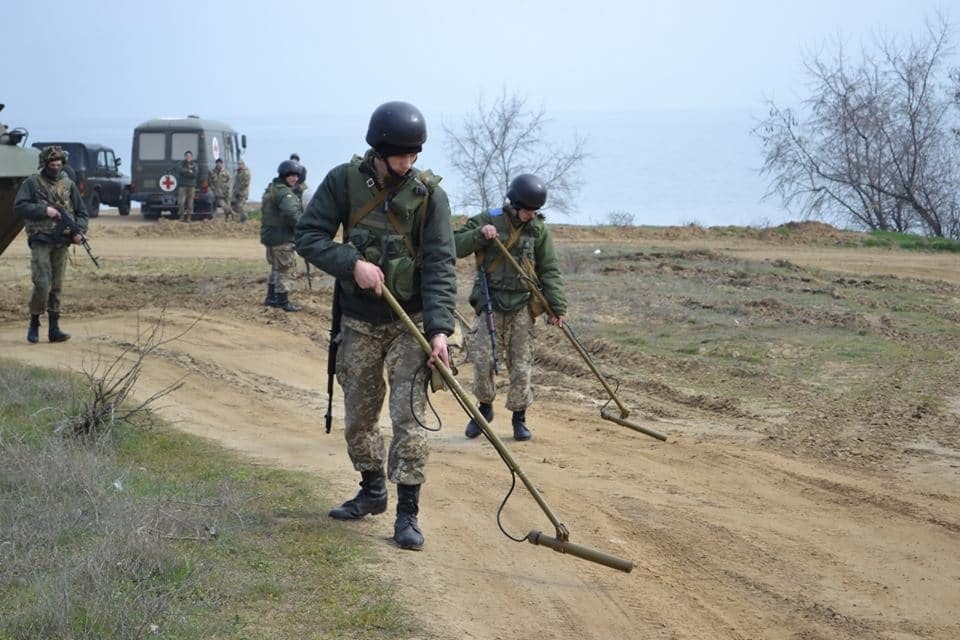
(153, 146)
(183, 142)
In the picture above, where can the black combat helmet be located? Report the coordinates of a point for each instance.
(288, 167)
(396, 128)
(527, 191)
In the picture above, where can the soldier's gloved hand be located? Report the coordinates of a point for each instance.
(368, 276)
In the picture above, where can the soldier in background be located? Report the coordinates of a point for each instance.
(241, 191)
(219, 182)
(522, 230)
(187, 181)
(37, 202)
(404, 240)
(281, 208)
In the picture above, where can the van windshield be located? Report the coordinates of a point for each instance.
(153, 146)
(183, 142)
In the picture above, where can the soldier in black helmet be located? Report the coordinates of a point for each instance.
(281, 208)
(396, 221)
(521, 228)
(39, 201)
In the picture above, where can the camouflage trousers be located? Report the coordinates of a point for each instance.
(236, 206)
(365, 349)
(48, 264)
(222, 204)
(515, 349)
(185, 201)
(282, 261)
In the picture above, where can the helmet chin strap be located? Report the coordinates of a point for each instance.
(393, 174)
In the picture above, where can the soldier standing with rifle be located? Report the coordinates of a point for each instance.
(501, 297)
(45, 201)
(396, 225)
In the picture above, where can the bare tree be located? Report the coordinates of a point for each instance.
(500, 141)
(874, 149)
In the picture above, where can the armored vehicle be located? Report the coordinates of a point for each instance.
(16, 163)
(158, 147)
(95, 169)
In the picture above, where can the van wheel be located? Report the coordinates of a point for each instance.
(123, 207)
(93, 207)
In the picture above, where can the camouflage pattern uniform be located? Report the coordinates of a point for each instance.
(187, 182)
(372, 337)
(281, 208)
(531, 245)
(241, 191)
(364, 350)
(48, 243)
(219, 181)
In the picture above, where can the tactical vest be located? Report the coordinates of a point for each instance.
(274, 229)
(389, 235)
(500, 274)
(55, 193)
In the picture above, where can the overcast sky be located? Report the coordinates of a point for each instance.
(240, 57)
(305, 76)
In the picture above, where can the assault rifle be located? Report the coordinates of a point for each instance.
(488, 311)
(67, 222)
(332, 354)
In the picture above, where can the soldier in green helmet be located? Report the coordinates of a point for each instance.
(521, 228)
(41, 201)
(281, 208)
(396, 222)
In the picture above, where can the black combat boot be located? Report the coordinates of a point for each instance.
(473, 429)
(53, 333)
(271, 298)
(406, 530)
(283, 302)
(520, 431)
(33, 333)
(372, 498)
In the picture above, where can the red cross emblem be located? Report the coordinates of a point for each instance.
(168, 182)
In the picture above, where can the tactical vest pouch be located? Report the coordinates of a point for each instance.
(399, 275)
(399, 267)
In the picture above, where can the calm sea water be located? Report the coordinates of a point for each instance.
(663, 168)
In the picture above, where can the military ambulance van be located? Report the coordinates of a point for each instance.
(158, 147)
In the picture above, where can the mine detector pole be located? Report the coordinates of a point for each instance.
(528, 279)
(561, 542)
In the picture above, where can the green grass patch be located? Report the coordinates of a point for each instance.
(910, 241)
(153, 533)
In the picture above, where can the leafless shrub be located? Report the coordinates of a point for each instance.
(620, 219)
(872, 146)
(502, 140)
(111, 382)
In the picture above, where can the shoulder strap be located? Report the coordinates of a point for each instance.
(365, 210)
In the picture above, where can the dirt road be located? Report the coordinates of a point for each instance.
(730, 539)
